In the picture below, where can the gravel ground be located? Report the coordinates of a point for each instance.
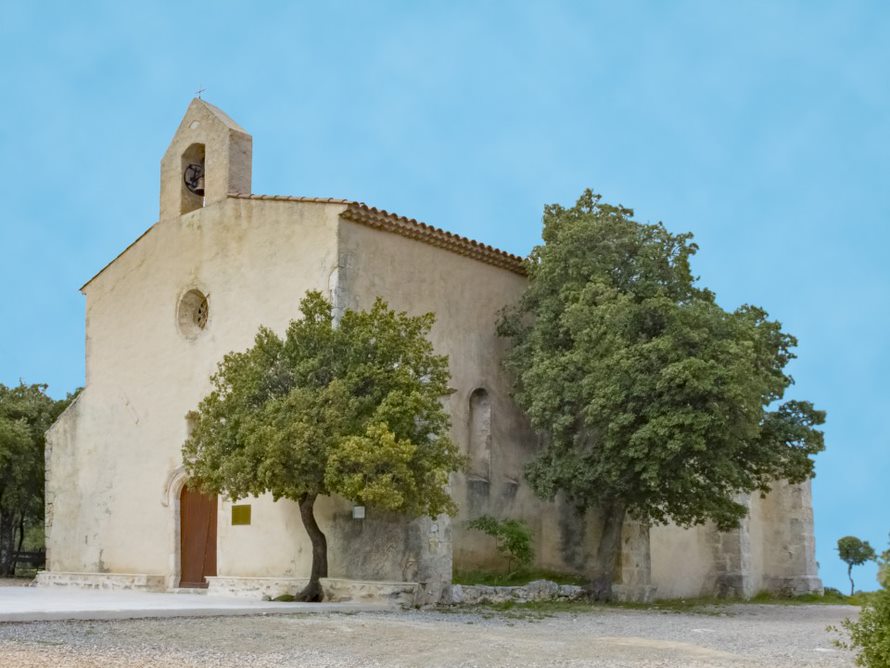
(742, 635)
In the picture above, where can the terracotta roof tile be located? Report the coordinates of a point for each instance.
(288, 198)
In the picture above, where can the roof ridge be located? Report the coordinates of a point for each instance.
(362, 213)
(291, 198)
(222, 116)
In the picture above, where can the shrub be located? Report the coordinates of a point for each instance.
(884, 568)
(513, 539)
(870, 634)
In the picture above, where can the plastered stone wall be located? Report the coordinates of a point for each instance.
(772, 550)
(682, 561)
(466, 296)
(109, 456)
(788, 543)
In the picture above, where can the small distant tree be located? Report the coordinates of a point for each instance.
(854, 552)
(26, 412)
(513, 539)
(351, 408)
(652, 401)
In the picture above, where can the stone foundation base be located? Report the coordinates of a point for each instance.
(405, 594)
(335, 589)
(634, 593)
(107, 581)
(540, 590)
(733, 586)
(795, 586)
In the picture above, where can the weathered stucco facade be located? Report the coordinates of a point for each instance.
(221, 262)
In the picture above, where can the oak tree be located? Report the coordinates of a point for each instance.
(350, 407)
(26, 412)
(651, 400)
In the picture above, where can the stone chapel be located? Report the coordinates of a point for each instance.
(221, 261)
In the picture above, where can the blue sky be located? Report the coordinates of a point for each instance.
(762, 127)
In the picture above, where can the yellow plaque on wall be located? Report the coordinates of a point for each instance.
(240, 515)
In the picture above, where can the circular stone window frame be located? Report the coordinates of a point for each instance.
(189, 320)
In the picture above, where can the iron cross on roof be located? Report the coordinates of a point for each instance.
(199, 91)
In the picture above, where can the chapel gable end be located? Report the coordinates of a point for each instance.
(208, 158)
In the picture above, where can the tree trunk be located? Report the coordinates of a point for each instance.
(21, 540)
(607, 552)
(850, 575)
(7, 545)
(313, 592)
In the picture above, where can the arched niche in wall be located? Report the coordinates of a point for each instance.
(479, 447)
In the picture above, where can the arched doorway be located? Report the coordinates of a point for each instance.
(197, 537)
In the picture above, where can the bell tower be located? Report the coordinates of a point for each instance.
(208, 158)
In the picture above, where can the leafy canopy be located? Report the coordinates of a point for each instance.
(884, 568)
(649, 394)
(854, 551)
(26, 412)
(350, 408)
(513, 539)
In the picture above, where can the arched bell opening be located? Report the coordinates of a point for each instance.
(193, 173)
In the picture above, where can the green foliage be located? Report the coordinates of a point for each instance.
(513, 539)
(652, 399)
(26, 412)
(869, 635)
(549, 608)
(350, 408)
(884, 568)
(854, 552)
(831, 596)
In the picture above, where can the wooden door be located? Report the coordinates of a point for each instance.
(197, 537)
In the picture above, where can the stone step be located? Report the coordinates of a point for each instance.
(199, 591)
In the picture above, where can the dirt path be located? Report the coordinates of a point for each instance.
(749, 635)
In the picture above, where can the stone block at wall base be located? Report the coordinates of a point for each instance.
(335, 589)
(106, 581)
(733, 585)
(540, 590)
(795, 586)
(640, 593)
(431, 593)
